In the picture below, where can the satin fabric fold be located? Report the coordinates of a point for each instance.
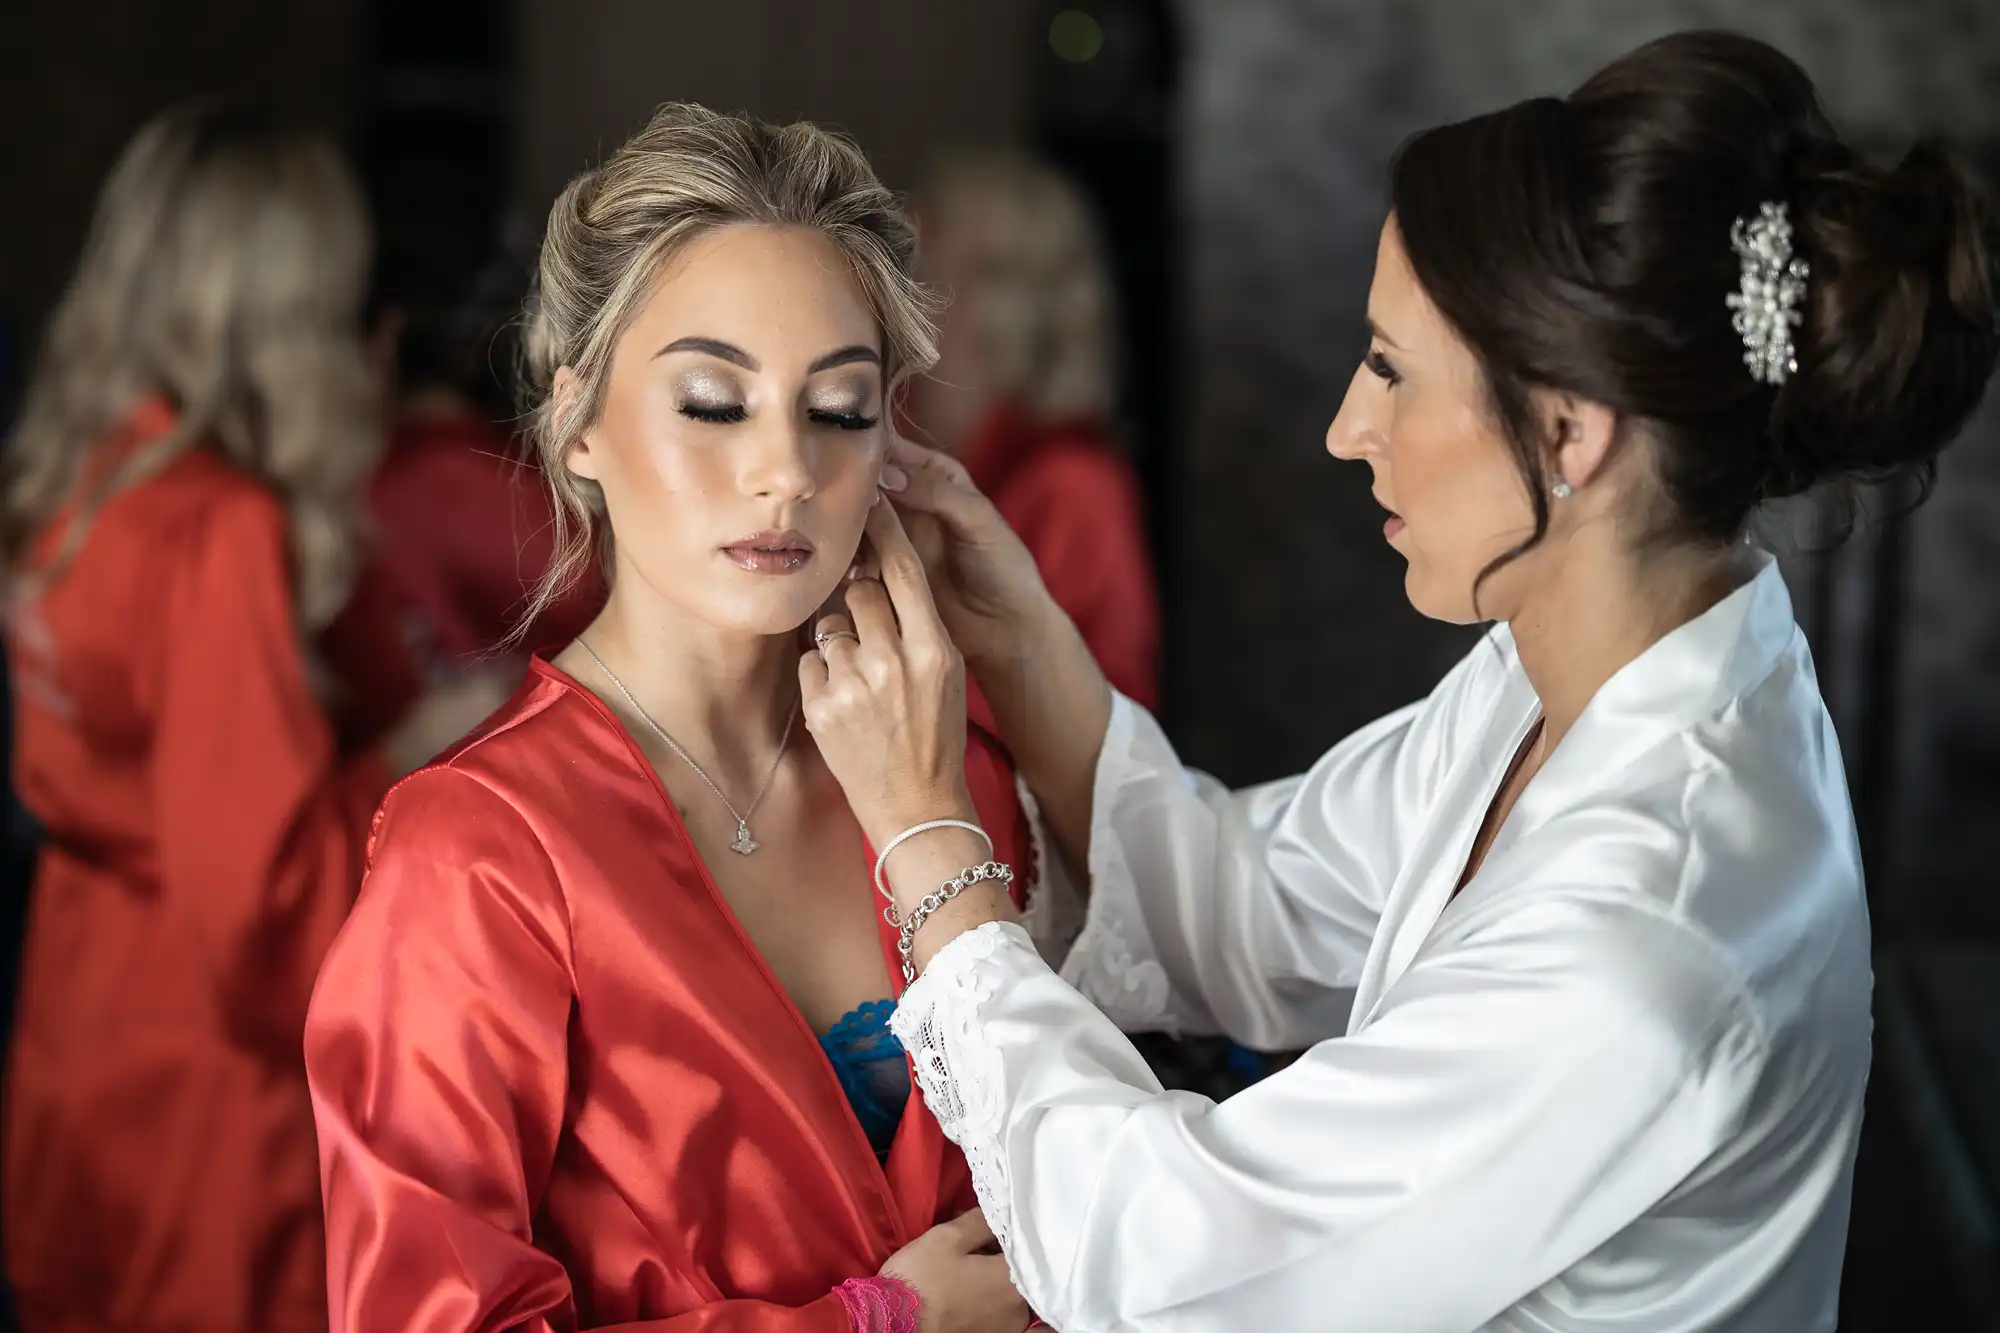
(556, 1085)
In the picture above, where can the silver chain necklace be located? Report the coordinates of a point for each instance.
(744, 844)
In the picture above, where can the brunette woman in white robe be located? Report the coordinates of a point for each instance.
(1597, 899)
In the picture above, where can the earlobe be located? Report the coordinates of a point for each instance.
(578, 458)
(1583, 433)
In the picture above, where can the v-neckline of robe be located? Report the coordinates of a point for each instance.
(1467, 871)
(877, 1168)
(1675, 679)
(1437, 885)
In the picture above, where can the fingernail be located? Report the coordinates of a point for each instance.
(894, 478)
(854, 571)
(877, 500)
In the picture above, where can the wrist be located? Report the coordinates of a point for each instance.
(1018, 635)
(977, 905)
(883, 822)
(880, 1304)
(923, 863)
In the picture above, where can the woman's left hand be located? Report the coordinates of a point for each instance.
(884, 697)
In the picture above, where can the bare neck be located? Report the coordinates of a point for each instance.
(726, 698)
(1594, 611)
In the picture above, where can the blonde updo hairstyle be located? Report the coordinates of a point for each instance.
(614, 230)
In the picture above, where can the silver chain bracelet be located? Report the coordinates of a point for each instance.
(906, 931)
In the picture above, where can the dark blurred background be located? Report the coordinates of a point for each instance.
(1235, 151)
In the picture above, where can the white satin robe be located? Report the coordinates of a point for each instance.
(1614, 1084)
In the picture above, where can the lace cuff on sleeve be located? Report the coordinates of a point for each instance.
(939, 1022)
(879, 1304)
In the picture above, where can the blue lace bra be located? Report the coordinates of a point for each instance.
(869, 1062)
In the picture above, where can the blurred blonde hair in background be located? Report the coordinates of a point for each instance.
(225, 268)
(1027, 267)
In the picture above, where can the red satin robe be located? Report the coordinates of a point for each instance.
(204, 840)
(557, 1085)
(465, 533)
(1076, 504)
(368, 651)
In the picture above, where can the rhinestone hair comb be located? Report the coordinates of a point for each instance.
(1773, 287)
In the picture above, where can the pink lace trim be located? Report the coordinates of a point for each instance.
(879, 1304)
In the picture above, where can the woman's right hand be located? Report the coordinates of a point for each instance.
(961, 1286)
(1049, 700)
(983, 578)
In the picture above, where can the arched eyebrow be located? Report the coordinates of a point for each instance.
(846, 356)
(730, 352)
(1375, 331)
(714, 347)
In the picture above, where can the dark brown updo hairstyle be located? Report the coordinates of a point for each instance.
(1583, 244)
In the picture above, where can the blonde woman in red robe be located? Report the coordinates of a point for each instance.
(1022, 394)
(211, 701)
(603, 1044)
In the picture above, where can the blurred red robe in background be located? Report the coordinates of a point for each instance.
(465, 532)
(1076, 504)
(204, 830)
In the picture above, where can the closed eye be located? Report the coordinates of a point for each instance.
(715, 415)
(1378, 365)
(843, 420)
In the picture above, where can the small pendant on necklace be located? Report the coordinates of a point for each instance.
(744, 844)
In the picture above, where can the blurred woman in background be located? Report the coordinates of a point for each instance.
(1023, 393)
(463, 526)
(203, 731)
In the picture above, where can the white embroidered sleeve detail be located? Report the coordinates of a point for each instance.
(959, 1073)
(1111, 959)
(1053, 916)
(1133, 992)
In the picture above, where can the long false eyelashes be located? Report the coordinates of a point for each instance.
(844, 420)
(714, 416)
(1378, 365)
(725, 416)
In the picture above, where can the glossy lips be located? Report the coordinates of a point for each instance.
(784, 552)
(1394, 524)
